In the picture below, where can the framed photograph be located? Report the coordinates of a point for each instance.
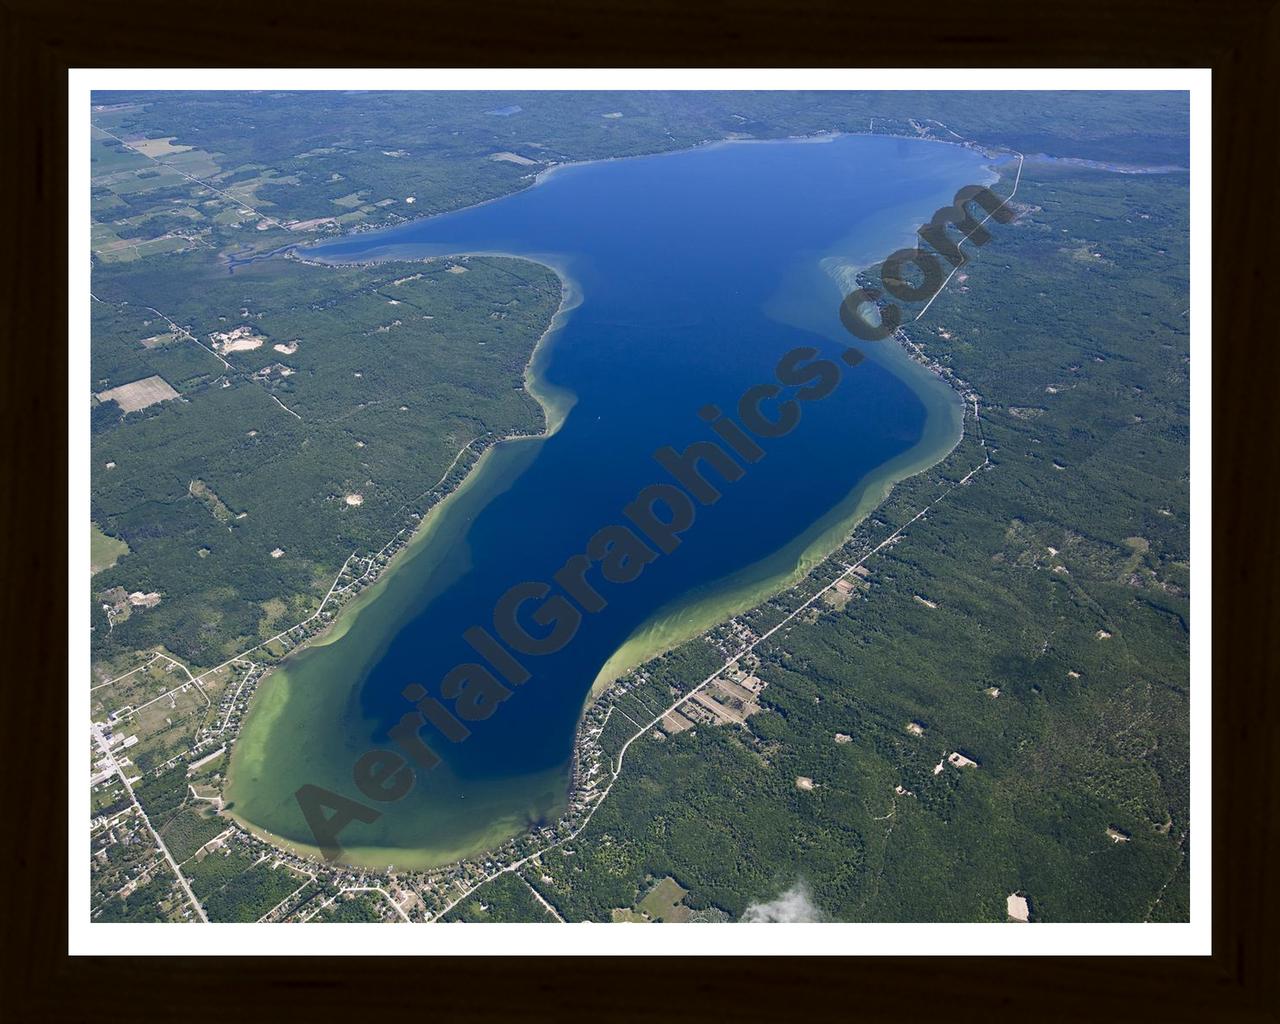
(526, 504)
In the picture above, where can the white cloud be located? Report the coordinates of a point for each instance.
(792, 907)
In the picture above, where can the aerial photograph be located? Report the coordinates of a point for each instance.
(637, 507)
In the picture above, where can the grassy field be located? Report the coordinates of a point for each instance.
(104, 551)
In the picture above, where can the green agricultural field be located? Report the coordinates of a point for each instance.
(104, 551)
(664, 903)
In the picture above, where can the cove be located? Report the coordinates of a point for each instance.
(687, 276)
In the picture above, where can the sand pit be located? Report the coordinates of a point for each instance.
(1018, 908)
(355, 499)
(242, 339)
(804, 782)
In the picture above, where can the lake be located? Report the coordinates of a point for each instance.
(688, 276)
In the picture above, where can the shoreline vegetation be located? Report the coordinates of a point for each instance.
(705, 608)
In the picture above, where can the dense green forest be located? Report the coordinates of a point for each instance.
(1036, 621)
(364, 386)
(505, 899)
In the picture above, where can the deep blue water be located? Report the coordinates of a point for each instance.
(683, 263)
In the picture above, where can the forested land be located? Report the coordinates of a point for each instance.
(1059, 576)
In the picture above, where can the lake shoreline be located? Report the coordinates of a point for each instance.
(669, 626)
(724, 599)
(295, 250)
(666, 629)
(708, 604)
(555, 404)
